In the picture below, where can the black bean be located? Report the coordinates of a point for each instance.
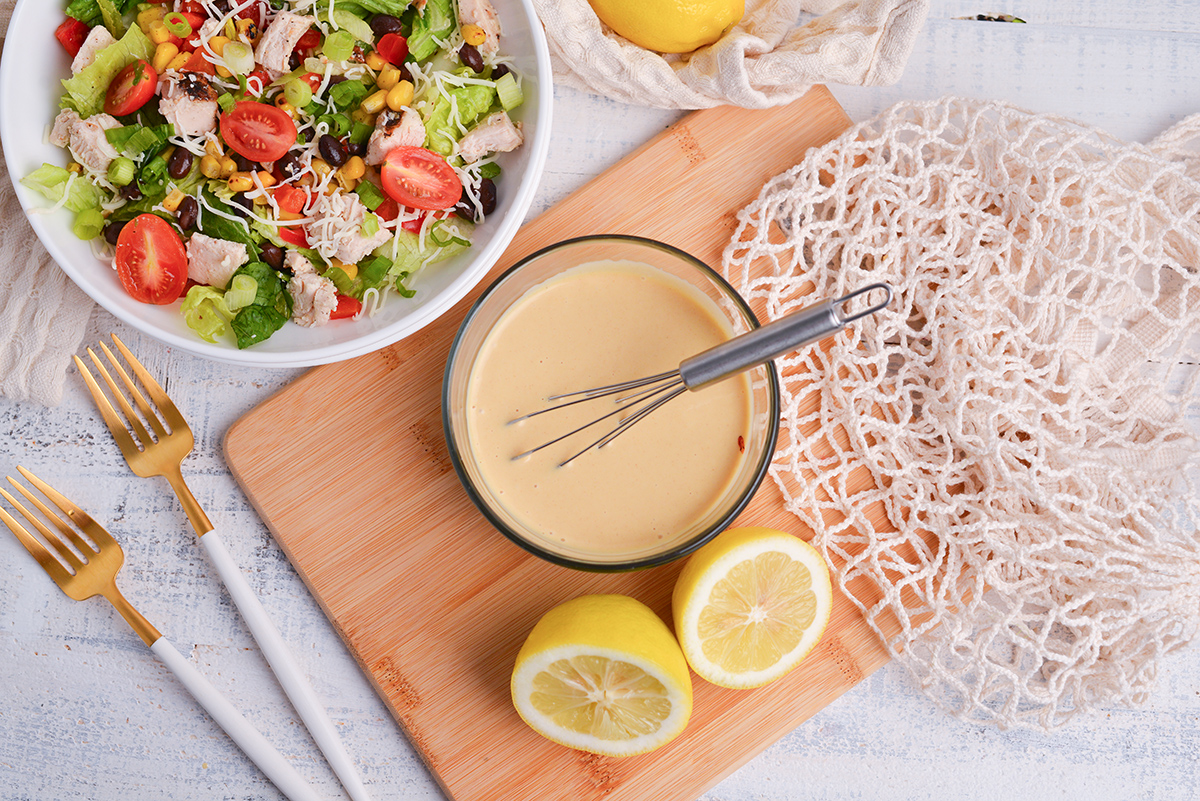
(243, 164)
(131, 190)
(272, 254)
(181, 163)
(289, 165)
(487, 201)
(383, 24)
(187, 213)
(332, 150)
(294, 61)
(240, 205)
(499, 71)
(470, 56)
(356, 149)
(112, 231)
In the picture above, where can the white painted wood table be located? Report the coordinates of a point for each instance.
(87, 713)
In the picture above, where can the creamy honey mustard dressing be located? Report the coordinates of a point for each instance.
(595, 324)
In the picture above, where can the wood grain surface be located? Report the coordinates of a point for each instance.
(432, 601)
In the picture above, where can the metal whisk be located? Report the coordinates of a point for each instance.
(743, 352)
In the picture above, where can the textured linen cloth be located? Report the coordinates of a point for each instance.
(43, 315)
(769, 58)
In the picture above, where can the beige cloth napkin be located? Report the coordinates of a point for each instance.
(43, 315)
(778, 50)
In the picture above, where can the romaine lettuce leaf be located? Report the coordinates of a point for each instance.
(472, 100)
(205, 312)
(50, 182)
(436, 21)
(85, 91)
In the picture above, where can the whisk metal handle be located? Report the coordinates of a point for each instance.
(788, 333)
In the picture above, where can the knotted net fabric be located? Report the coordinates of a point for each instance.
(778, 50)
(1002, 466)
(43, 315)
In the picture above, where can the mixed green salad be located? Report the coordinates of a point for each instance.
(271, 160)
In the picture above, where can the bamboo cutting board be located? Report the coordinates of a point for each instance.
(432, 601)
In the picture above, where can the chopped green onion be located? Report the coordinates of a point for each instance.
(370, 225)
(339, 46)
(489, 169)
(297, 92)
(121, 171)
(239, 58)
(243, 289)
(435, 237)
(404, 291)
(375, 270)
(88, 223)
(369, 194)
(509, 93)
(339, 124)
(226, 101)
(360, 132)
(177, 24)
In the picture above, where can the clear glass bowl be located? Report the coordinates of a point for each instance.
(511, 286)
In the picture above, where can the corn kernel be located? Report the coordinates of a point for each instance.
(228, 167)
(230, 29)
(260, 199)
(400, 95)
(240, 182)
(320, 167)
(351, 270)
(213, 148)
(473, 35)
(173, 199)
(163, 55)
(376, 61)
(388, 77)
(344, 182)
(210, 166)
(179, 61)
(217, 44)
(266, 179)
(149, 15)
(354, 168)
(158, 33)
(291, 215)
(374, 103)
(75, 167)
(359, 115)
(247, 31)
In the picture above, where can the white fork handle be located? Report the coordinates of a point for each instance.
(280, 658)
(248, 738)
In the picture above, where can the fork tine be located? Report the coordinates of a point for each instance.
(162, 400)
(144, 405)
(77, 515)
(116, 426)
(64, 553)
(131, 417)
(36, 549)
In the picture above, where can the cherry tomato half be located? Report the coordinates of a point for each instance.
(420, 179)
(71, 34)
(258, 131)
(393, 48)
(151, 260)
(347, 307)
(131, 88)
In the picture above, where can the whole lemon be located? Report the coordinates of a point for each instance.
(670, 26)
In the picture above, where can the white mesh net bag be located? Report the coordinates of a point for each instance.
(1020, 423)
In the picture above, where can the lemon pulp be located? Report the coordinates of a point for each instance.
(750, 605)
(603, 673)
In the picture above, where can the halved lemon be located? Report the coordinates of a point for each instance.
(750, 605)
(603, 673)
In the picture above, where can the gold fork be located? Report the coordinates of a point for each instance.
(162, 455)
(86, 569)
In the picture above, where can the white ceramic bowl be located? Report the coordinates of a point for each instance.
(30, 73)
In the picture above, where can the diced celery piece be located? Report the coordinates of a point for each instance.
(509, 92)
